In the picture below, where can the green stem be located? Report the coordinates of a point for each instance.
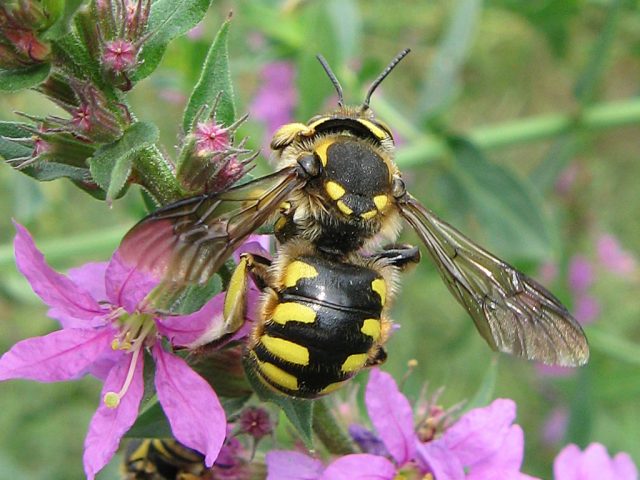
(329, 431)
(155, 174)
(606, 115)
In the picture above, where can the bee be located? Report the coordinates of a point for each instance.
(162, 459)
(336, 196)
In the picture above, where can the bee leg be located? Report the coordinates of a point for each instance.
(235, 301)
(378, 359)
(401, 256)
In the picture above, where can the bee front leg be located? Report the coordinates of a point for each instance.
(400, 256)
(250, 267)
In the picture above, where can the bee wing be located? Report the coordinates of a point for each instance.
(513, 312)
(189, 240)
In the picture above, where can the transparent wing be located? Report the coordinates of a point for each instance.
(513, 312)
(189, 240)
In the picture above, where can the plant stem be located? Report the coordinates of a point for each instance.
(156, 176)
(607, 115)
(329, 431)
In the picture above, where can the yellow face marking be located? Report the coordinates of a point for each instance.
(354, 362)
(291, 311)
(334, 190)
(371, 327)
(377, 131)
(332, 387)
(343, 208)
(297, 270)
(380, 288)
(321, 149)
(278, 376)
(380, 201)
(286, 350)
(369, 215)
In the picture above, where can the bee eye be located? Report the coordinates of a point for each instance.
(398, 188)
(311, 164)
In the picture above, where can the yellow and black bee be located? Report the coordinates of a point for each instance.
(162, 459)
(336, 194)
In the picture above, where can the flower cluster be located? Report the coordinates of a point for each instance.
(108, 328)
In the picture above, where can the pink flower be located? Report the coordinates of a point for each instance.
(107, 327)
(593, 464)
(483, 444)
(580, 274)
(120, 55)
(613, 257)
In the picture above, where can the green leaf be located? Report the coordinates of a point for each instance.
(443, 77)
(580, 426)
(584, 89)
(10, 149)
(152, 423)
(546, 173)
(505, 206)
(347, 25)
(614, 346)
(61, 26)
(111, 164)
(195, 296)
(168, 19)
(215, 79)
(298, 411)
(18, 79)
(485, 392)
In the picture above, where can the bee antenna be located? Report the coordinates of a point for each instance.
(332, 77)
(382, 76)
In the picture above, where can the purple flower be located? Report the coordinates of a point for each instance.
(613, 257)
(275, 100)
(593, 464)
(107, 327)
(482, 445)
(580, 274)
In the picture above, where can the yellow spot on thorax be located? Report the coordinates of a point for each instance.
(343, 208)
(354, 362)
(334, 189)
(380, 201)
(369, 215)
(321, 149)
(291, 311)
(286, 350)
(278, 376)
(380, 288)
(332, 387)
(297, 270)
(371, 327)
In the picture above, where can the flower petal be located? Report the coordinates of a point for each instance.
(126, 285)
(480, 432)
(505, 462)
(108, 425)
(435, 458)
(196, 417)
(255, 244)
(566, 464)
(55, 289)
(391, 415)
(61, 355)
(289, 465)
(624, 468)
(596, 464)
(360, 466)
(91, 276)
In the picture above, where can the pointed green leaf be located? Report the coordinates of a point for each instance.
(347, 24)
(168, 19)
(111, 164)
(484, 394)
(443, 77)
(298, 411)
(17, 79)
(195, 296)
(152, 423)
(65, 11)
(506, 207)
(10, 149)
(214, 79)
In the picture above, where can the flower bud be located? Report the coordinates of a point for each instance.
(256, 422)
(21, 23)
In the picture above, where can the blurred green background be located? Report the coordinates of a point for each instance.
(518, 121)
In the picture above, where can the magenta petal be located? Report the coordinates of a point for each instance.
(90, 276)
(61, 355)
(566, 464)
(360, 467)
(435, 458)
(255, 244)
(288, 465)
(196, 417)
(480, 432)
(108, 425)
(55, 289)
(596, 464)
(624, 468)
(196, 328)
(507, 459)
(391, 415)
(126, 286)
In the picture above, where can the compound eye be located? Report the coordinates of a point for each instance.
(398, 188)
(311, 164)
